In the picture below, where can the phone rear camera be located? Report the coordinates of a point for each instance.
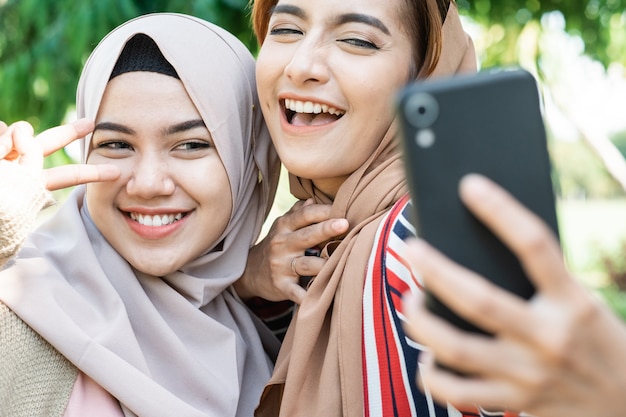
(421, 110)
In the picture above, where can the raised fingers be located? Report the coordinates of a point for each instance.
(25, 147)
(71, 175)
(58, 137)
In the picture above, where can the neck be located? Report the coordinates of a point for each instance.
(329, 186)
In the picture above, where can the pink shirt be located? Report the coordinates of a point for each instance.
(90, 399)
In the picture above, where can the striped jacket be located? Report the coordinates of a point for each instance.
(390, 358)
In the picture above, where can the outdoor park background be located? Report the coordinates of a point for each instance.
(576, 49)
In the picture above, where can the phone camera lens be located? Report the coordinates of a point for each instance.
(421, 110)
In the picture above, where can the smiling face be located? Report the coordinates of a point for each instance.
(173, 199)
(327, 76)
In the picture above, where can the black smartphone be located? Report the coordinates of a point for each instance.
(489, 123)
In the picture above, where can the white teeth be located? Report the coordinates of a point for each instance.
(155, 221)
(310, 107)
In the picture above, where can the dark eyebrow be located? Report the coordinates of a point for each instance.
(341, 20)
(363, 18)
(180, 127)
(288, 9)
(188, 125)
(115, 127)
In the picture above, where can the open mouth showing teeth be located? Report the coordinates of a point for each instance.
(307, 113)
(157, 220)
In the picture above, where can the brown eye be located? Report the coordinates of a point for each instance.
(194, 145)
(114, 145)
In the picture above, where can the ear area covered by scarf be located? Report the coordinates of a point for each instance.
(457, 53)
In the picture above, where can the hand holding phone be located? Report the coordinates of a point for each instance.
(488, 123)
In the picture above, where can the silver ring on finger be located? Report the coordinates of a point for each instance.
(293, 266)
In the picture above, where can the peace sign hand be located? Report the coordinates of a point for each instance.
(18, 145)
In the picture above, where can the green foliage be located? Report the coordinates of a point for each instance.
(600, 24)
(615, 299)
(43, 45)
(580, 172)
(614, 264)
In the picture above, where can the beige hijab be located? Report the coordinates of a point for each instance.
(182, 344)
(319, 369)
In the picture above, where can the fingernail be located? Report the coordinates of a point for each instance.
(340, 225)
(24, 128)
(415, 249)
(409, 298)
(475, 183)
(416, 244)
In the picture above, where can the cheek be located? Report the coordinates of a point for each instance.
(208, 183)
(217, 199)
(270, 66)
(99, 199)
(262, 68)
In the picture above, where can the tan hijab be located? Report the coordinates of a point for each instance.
(182, 344)
(319, 369)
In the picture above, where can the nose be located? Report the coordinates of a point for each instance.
(308, 63)
(150, 178)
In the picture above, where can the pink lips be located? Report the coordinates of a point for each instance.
(155, 232)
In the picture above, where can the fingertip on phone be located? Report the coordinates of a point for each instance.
(412, 299)
(416, 247)
(474, 183)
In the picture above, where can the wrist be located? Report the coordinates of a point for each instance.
(243, 286)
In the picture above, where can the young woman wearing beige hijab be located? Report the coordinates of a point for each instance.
(327, 74)
(122, 303)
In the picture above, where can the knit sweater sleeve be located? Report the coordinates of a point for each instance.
(35, 379)
(22, 196)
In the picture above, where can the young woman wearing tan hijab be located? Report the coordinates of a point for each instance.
(122, 303)
(327, 75)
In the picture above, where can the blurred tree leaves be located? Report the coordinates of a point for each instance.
(599, 23)
(43, 45)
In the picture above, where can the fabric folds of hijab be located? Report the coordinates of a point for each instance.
(182, 344)
(319, 369)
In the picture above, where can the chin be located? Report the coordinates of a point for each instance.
(310, 170)
(154, 270)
